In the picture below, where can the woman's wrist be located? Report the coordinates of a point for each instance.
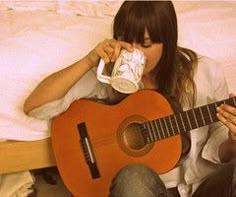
(86, 62)
(91, 59)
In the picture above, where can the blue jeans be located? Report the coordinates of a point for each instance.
(141, 181)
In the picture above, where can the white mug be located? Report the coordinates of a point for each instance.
(127, 71)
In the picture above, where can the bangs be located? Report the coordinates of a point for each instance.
(131, 27)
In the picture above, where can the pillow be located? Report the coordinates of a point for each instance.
(209, 29)
(28, 5)
(36, 45)
(95, 8)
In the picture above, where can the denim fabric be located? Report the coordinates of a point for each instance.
(141, 181)
(222, 183)
(138, 181)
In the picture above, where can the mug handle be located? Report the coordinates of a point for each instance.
(100, 76)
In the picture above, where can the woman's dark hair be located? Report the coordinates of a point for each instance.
(176, 66)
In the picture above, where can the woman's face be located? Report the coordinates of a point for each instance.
(152, 51)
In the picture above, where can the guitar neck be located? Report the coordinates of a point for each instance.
(182, 122)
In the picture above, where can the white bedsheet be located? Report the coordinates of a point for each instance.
(34, 44)
(211, 30)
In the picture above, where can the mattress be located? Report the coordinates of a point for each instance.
(37, 42)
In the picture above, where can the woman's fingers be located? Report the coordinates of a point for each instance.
(103, 51)
(227, 115)
(109, 49)
(117, 47)
(126, 45)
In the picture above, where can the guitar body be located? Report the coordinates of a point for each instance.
(114, 141)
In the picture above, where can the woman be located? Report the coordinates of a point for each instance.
(187, 79)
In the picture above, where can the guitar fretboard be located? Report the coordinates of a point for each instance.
(182, 122)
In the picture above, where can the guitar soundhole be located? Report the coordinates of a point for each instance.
(133, 137)
(130, 138)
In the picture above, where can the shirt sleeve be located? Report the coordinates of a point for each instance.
(218, 133)
(211, 149)
(86, 87)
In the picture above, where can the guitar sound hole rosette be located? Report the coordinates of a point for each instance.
(130, 138)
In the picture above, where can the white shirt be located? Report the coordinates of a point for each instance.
(203, 157)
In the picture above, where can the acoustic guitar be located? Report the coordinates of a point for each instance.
(92, 141)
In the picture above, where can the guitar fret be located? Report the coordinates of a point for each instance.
(195, 117)
(142, 130)
(183, 121)
(158, 133)
(206, 115)
(189, 123)
(174, 125)
(198, 117)
(153, 131)
(191, 118)
(160, 129)
(148, 137)
(169, 126)
(144, 133)
(163, 131)
(150, 132)
(179, 122)
(181, 117)
(220, 103)
(231, 101)
(172, 129)
(176, 122)
(212, 109)
(202, 116)
(166, 127)
(209, 113)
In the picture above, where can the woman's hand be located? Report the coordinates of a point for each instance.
(227, 115)
(108, 50)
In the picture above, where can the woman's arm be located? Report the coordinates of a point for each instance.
(227, 150)
(56, 85)
(59, 83)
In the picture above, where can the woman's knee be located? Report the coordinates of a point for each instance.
(135, 180)
(140, 174)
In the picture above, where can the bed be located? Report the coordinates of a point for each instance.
(31, 48)
(40, 37)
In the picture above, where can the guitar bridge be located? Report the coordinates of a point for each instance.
(88, 151)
